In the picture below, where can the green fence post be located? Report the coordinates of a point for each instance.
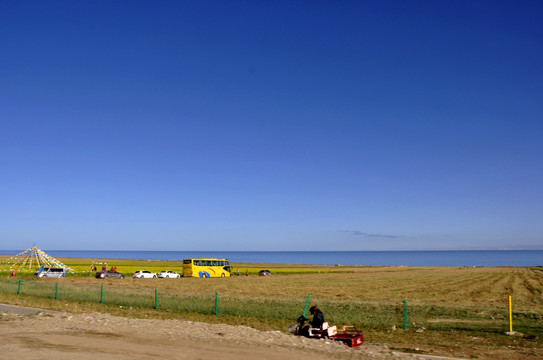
(102, 295)
(405, 314)
(19, 290)
(56, 291)
(306, 304)
(156, 299)
(216, 303)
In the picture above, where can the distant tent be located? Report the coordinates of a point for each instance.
(31, 260)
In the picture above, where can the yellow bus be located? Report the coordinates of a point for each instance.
(206, 268)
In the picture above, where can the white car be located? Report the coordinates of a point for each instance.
(51, 272)
(168, 274)
(143, 274)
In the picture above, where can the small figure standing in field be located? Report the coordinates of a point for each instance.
(237, 272)
(247, 272)
(13, 273)
(318, 317)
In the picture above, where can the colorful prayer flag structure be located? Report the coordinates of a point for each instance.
(30, 261)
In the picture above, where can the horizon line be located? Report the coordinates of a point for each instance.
(388, 250)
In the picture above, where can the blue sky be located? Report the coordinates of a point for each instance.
(273, 125)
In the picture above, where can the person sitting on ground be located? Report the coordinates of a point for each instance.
(318, 317)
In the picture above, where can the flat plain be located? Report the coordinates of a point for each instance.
(461, 311)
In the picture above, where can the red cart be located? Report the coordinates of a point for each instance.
(350, 336)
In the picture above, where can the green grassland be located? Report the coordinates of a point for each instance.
(461, 311)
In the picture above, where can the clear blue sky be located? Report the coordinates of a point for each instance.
(271, 125)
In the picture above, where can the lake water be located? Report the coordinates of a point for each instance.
(391, 258)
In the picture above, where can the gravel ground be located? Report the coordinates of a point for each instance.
(86, 336)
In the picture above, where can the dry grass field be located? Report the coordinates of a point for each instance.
(460, 311)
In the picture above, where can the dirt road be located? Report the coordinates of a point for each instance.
(101, 336)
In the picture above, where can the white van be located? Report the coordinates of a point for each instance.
(50, 272)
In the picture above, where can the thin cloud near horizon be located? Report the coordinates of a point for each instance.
(362, 233)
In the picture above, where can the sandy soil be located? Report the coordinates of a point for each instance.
(101, 336)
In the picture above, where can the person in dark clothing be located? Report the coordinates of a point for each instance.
(318, 317)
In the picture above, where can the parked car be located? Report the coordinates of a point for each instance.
(50, 272)
(144, 274)
(264, 273)
(168, 274)
(104, 274)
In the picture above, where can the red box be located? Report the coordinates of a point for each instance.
(350, 336)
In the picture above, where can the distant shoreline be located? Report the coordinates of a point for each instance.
(12, 252)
